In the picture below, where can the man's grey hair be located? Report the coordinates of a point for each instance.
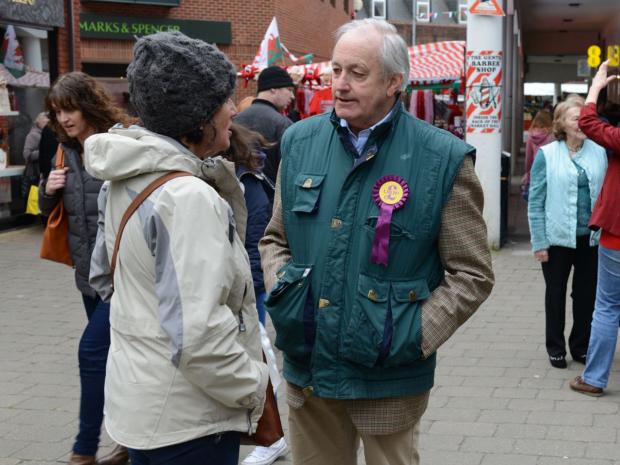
(393, 54)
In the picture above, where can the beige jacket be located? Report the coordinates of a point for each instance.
(185, 359)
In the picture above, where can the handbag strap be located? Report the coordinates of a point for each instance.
(60, 158)
(133, 206)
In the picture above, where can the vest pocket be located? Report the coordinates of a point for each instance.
(307, 192)
(406, 300)
(385, 325)
(291, 309)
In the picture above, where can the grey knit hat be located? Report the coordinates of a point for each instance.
(177, 83)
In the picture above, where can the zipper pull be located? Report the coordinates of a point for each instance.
(241, 323)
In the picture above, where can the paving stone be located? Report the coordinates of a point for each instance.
(462, 428)
(509, 459)
(572, 461)
(456, 414)
(502, 416)
(515, 393)
(550, 447)
(443, 442)
(600, 450)
(582, 433)
(450, 458)
(531, 404)
(488, 445)
(519, 431)
(559, 418)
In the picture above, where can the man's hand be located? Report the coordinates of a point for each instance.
(542, 255)
(56, 181)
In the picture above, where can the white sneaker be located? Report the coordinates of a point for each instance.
(266, 455)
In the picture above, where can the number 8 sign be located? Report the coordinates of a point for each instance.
(594, 56)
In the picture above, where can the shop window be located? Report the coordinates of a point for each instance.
(378, 9)
(423, 11)
(346, 6)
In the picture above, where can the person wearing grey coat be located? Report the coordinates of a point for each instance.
(78, 108)
(31, 153)
(80, 202)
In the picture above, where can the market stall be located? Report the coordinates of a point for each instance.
(436, 77)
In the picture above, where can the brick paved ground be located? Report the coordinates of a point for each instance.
(496, 401)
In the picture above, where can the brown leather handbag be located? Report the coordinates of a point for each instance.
(55, 245)
(269, 429)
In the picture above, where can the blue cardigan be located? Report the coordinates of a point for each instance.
(553, 202)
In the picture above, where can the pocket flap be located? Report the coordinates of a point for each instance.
(309, 181)
(373, 289)
(292, 272)
(289, 274)
(410, 291)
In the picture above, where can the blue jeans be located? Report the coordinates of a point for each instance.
(605, 320)
(92, 355)
(260, 307)
(216, 449)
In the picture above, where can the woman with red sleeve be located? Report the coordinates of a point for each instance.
(606, 216)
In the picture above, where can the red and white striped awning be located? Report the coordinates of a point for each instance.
(30, 79)
(437, 62)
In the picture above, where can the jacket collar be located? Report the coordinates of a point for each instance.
(260, 101)
(378, 135)
(379, 130)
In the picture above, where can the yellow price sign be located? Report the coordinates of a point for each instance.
(595, 59)
(594, 56)
(613, 55)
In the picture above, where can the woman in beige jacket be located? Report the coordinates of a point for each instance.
(185, 373)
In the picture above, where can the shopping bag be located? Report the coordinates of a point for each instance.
(32, 205)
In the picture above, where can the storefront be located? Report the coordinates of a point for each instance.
(107, 43)
(32, 27)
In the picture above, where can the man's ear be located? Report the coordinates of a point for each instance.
(395, 84)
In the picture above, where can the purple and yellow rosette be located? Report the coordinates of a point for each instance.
(389, 193)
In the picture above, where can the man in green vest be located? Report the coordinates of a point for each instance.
(376, 253)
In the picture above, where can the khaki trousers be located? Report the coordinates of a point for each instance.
(322, 433)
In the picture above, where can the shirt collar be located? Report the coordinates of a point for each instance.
(345, 124)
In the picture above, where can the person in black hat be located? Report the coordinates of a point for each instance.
(275, 92)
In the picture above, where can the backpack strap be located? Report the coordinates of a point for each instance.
(133, 206)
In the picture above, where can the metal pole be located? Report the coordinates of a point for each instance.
(414, 7)
(71, 32)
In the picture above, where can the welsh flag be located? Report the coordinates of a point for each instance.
(270, 48)
(13, 58)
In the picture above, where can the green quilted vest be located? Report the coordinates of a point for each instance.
(350, 328)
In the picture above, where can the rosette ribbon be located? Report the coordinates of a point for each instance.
(389, 193)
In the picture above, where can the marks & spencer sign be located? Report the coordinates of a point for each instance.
(126, 27)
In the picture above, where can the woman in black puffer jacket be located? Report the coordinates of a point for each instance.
(79, 107)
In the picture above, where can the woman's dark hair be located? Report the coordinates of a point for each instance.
(245, 146)
(79, 91)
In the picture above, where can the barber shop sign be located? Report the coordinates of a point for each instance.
(484, 91)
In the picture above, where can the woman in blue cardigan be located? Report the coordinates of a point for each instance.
(565, 181)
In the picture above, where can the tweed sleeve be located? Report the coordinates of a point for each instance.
(273, 247)
(465, 255)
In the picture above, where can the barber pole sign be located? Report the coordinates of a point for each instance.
(484, 91)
